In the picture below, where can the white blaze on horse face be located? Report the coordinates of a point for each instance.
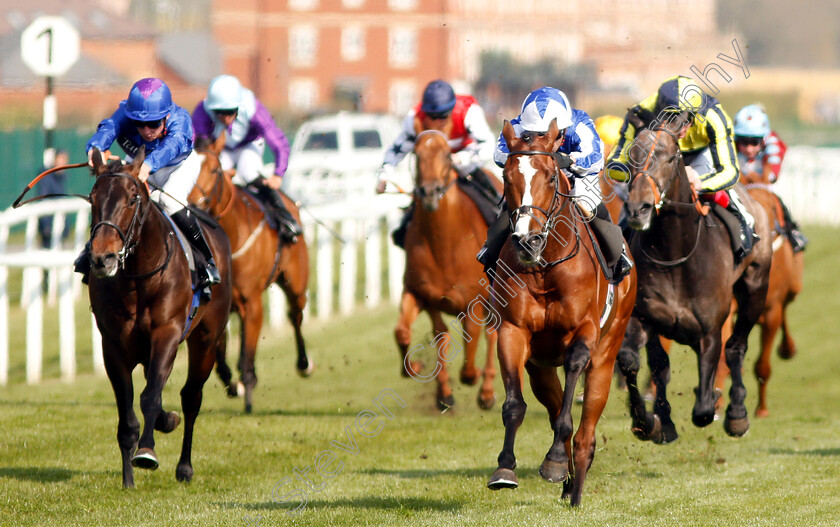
(528, 172)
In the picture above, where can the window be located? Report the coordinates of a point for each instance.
(402, 5)
(402, 96)
(303, 45)
(352, 4)
(321, 141)
(352, 43)
(402, 47)
(303, 94)
(303, 5)
(366, 139)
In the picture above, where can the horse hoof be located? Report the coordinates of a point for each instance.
(503, 478)
(145, 458)
(170, 422)
(761, 413)
(665, 433)
(235, 389)
(786, 352)
(486, 403)
(736, 427)
(554, 471)
(416, 368)
(704, 419)
(248, 408)
(470, 378)
(184, 473)
(307, 371)
(446, 403)
(652, 427)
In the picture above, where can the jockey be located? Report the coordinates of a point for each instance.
(760, 155)
(705, 140)
(579, 140)
(149, 118)
(471, 141)
(233, 109)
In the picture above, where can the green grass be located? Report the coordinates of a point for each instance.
(59, 461)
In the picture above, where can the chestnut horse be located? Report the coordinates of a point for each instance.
(785, 284)
(687, 277)
(441, 272)
(258, 259)
(557, 309)
(141, 297)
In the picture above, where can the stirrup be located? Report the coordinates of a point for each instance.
(213, 276)
(481, 256)
(622, 268)
(797, 240)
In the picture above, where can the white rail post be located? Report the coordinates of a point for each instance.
(396, 262)
(373, 262)
(324, 271)
(347, 279)
(66, 323)
(34, 323)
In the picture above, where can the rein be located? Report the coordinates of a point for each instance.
(419, 191)
(218, 188)
(127, 237)
(17, 203)
(553, 213)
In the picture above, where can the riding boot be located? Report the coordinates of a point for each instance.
(82, 263)
(188, 223)
(748, 235)
(289, 227)
(797, 240)
(398, 236)
(497, 234)
(611, 241)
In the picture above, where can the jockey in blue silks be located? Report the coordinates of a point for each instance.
(579, 140)
(149, 118)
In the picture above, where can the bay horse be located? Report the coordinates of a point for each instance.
(785, 284)
(259, 259)
(687, 278)
(558, 310)
(141, 297)
(441, 272)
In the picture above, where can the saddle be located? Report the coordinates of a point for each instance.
(741, 247)
(488, 201)
(266, 208)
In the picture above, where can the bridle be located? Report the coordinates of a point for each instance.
(131, 236)
(661, 200)
(555, 207)
(216, 193)
(437, 191)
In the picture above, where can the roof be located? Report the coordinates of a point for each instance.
(89, 18)
(196, 56)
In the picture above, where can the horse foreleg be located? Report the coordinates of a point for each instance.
(128, 428)
(223, 370)
(487, 396)
(596, 392)
(660, 372)
(787, 346)
(201, 348)
(252, 320)
(409, 310)
(444, 348)
(635, 336)
(514, 344)
(164, 344)
(549, 392)
(769, 328)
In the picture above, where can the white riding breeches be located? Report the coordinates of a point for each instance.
(176, 182)
(587, 192)
(246, 159)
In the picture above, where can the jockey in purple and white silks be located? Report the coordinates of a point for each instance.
(579, 140)
(233, 109)
(149, 118)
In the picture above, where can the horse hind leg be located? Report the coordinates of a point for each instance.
(296, 300)
(446, 349)
(644, 425)
(660, 370)
(787, 346)
(409, 310)
(487, 396)
(469, 374)
(224, 372)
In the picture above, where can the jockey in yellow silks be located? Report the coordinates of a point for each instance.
(706, 141)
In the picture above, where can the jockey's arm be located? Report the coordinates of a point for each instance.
(484, 143)
(585, 147)
(276, 140)
(177, 142)
(722, 149)
(403, 143)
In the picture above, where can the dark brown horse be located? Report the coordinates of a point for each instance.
(259, 259)
(141, 297)
(687, 277)
(785, 284)
(441, 272)
(557, 309)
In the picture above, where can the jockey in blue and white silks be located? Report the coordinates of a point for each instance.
(578, 138)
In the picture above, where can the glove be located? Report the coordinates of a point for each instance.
(464, 158)
(693, 178)
(385, 174)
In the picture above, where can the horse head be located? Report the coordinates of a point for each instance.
(208, 187)
(119, 203)
(535, 189)
(657, 174)
(435, 172)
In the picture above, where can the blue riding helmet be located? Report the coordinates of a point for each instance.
(438, 97)
(148, 100)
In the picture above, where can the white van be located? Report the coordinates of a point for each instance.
(336, 157)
